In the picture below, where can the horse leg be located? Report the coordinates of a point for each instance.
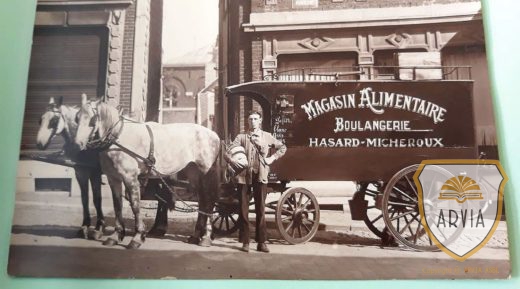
(82, 176)
(208, 192)
(205, 228)
(160, 225)
(117, 197)
(161, 221)
(95, 182)
(133, 187)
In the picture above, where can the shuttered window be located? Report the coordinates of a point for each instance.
(64, 62)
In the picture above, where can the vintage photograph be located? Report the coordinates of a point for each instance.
(259, 139)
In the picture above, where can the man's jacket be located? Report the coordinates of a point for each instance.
(263, 142)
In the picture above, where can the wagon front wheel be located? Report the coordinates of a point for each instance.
(297, 215)
(373, 217)
(226, 221)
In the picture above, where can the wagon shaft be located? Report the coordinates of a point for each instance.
(56, 159)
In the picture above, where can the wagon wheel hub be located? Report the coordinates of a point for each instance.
(298, 216)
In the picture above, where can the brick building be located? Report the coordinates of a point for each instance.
(109, 49)
(188, 87)
(295, 40)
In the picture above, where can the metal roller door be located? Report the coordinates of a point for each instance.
(64, 62)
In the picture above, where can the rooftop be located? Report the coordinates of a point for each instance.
(197, 57)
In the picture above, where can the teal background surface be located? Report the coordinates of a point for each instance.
(502, 27)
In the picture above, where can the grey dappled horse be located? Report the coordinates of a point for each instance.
(175, 147)
(59, 119)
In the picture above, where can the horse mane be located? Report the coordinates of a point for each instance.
(109, 115)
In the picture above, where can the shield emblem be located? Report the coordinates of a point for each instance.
(460, 202)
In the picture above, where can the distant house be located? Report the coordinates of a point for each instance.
(188, 83)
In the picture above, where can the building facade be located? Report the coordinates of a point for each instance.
(328, 40)
(105, 49)
(188, 87)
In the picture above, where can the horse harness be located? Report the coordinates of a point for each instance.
(111, 139)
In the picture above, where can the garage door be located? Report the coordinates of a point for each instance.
(64, 62)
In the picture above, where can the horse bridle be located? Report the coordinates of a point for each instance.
(109, 138)
(93, 120)
(54, 121)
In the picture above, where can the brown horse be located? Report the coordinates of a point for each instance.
(59, 119)
(128, 152)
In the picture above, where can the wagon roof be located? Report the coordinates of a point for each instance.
(267, 88)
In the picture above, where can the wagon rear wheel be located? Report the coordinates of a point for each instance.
(297, 215)
(401, 211)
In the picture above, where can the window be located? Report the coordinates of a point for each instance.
(170, 97)
(304, 3)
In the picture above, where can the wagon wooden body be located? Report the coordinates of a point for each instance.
(372, 132)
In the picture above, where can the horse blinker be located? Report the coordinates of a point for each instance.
(53, 123)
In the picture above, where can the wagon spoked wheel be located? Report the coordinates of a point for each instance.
(373, 193)
(401, 211)
(297, 215)
(226, 221)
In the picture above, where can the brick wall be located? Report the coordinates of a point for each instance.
(256, 48)
(245, 43)
(128, 59)
(187, 79)
(287, 5)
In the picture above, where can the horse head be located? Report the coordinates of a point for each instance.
(94, 119)
(51, 123)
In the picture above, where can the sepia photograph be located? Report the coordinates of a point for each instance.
(259, 139)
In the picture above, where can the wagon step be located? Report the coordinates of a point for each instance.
(332, 207)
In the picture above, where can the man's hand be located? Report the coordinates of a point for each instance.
(269, 160)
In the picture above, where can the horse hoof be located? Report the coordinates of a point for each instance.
(101, 226)
(156, 233)
(83, 232)
(96, 235)
(133, 245)
(121, 235)
(205, 242)
(193, 240)
(110, 242)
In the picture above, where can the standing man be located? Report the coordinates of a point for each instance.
(256, 143)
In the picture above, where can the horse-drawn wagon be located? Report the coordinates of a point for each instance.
(372, 132)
